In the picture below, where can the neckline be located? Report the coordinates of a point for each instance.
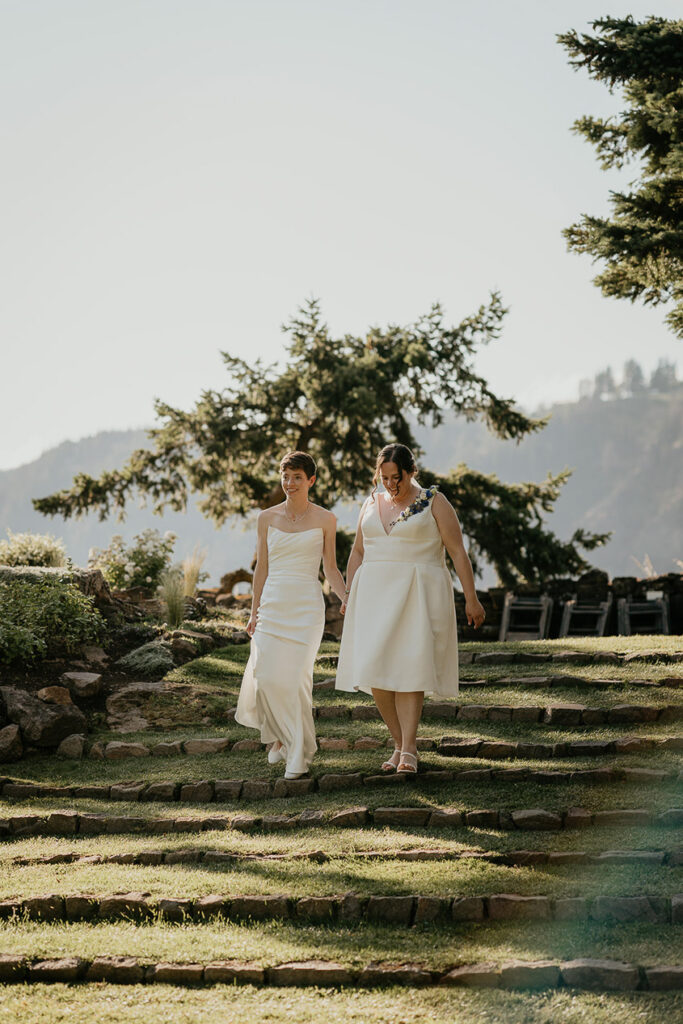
(293, 533)
(388, 533)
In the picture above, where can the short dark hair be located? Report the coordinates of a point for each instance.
(298, 460)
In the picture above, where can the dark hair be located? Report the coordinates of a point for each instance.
(298, 460)
(398, 453)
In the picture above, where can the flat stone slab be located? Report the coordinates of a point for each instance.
(310, 972)
(600, 975)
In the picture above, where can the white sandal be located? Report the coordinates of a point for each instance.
(391, 765)
(274, 756)
(407, 764)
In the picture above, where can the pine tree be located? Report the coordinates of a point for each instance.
(640, 246)
(634, 378)
(663, 377)
(342, 399)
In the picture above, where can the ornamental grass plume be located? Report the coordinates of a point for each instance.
(172, 595)
(192, 569)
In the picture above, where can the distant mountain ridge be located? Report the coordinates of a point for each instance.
(626, 455)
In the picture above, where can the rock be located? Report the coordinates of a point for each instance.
(197, 792)
(116, 750)
(42, 725)
(245, 822)
(316, 908)
(564, 714)
(350, 817)
(128, 708)
(459, 748)
(96, 751)
(365, 713)
(330, 783)
(242, 745)
(536, 818)
(161, 791)
(390, 909)
(259, 908)
(72, 747)
(129, 791)
(497, 750)
(227, 790)
(11, 747)
(94, 656)
(206, 746)
(533, 974)
(12, 968)
(80, 908)
(62, 823)
(467, 908)
(659, 979)
(510, 907)
(119, 970)
(176, 910)
(570, 908)
(473, 976)
(625, 817)
(335, 711)
(83, 684)
(578, 817)
(68, 968)
(398, 974)
(54, 695)
(430, 908)
(482, 819)
(293, 787)
(176, 974)
(623, 908)
(128, 906)
(445, 818)
(413, 817)
(44, 908)
(677, 909)
(611, 975)
(227, 972)
(473, 713)
(310, 972)
(167, 749)
(256, 789)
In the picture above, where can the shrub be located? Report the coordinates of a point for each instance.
(32, 549)
(47, 618)
(138, 565)
(151, 661)
(172, 594)
(192, 570)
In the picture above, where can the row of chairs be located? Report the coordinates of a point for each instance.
(528, 618)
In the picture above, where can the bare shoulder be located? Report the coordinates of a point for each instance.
(323, 515)
(266, 517)
(441, 505)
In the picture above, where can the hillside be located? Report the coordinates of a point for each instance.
(626, 456)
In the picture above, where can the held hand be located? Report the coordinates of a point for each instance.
(251, 625)
(343, 608)
(474, 612)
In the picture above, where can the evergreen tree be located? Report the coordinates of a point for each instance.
(663, 377)
(640, 245)
(634, 378)
(342, 399)
(604, 385)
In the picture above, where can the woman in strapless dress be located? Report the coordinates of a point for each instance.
(288, 618)
(400, 638)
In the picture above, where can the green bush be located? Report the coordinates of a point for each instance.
(45, 619)
(151, 661)
(139, 564)
(32, 549)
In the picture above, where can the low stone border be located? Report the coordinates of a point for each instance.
(560, 715)
(346, 908)
(516, 858)
(245, 790)
(534, 819)
(586, 973)
(651, 657)
(569, 681)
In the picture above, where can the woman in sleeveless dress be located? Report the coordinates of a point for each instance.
(288, 618)
(400, 639)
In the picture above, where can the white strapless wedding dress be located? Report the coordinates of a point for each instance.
(399, 629)
(277, 686)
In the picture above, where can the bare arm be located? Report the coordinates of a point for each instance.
(451, 535)
(332, 573)
(260, 572)
(356, 556)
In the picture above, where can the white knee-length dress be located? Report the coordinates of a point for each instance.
(399, 629)
(277, 686)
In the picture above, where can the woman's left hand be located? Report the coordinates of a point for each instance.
(475, 613)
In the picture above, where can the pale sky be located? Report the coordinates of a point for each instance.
(177, 177)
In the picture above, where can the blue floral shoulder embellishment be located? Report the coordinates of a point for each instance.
(417, 506)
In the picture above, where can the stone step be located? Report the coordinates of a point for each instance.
(585, 973)
(68, 823)
(515, 858)
(232, 790)
(554, 657)
(564, 681)
(346, 908)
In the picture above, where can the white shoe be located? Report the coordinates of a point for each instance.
(294, 775)
(274, 756)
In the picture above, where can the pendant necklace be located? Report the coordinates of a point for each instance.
(295, 519)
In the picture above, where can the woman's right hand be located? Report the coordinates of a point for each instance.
(251, 625)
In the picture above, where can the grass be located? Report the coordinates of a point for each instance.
(386, 877)
(275, 942)
(158, 1004)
